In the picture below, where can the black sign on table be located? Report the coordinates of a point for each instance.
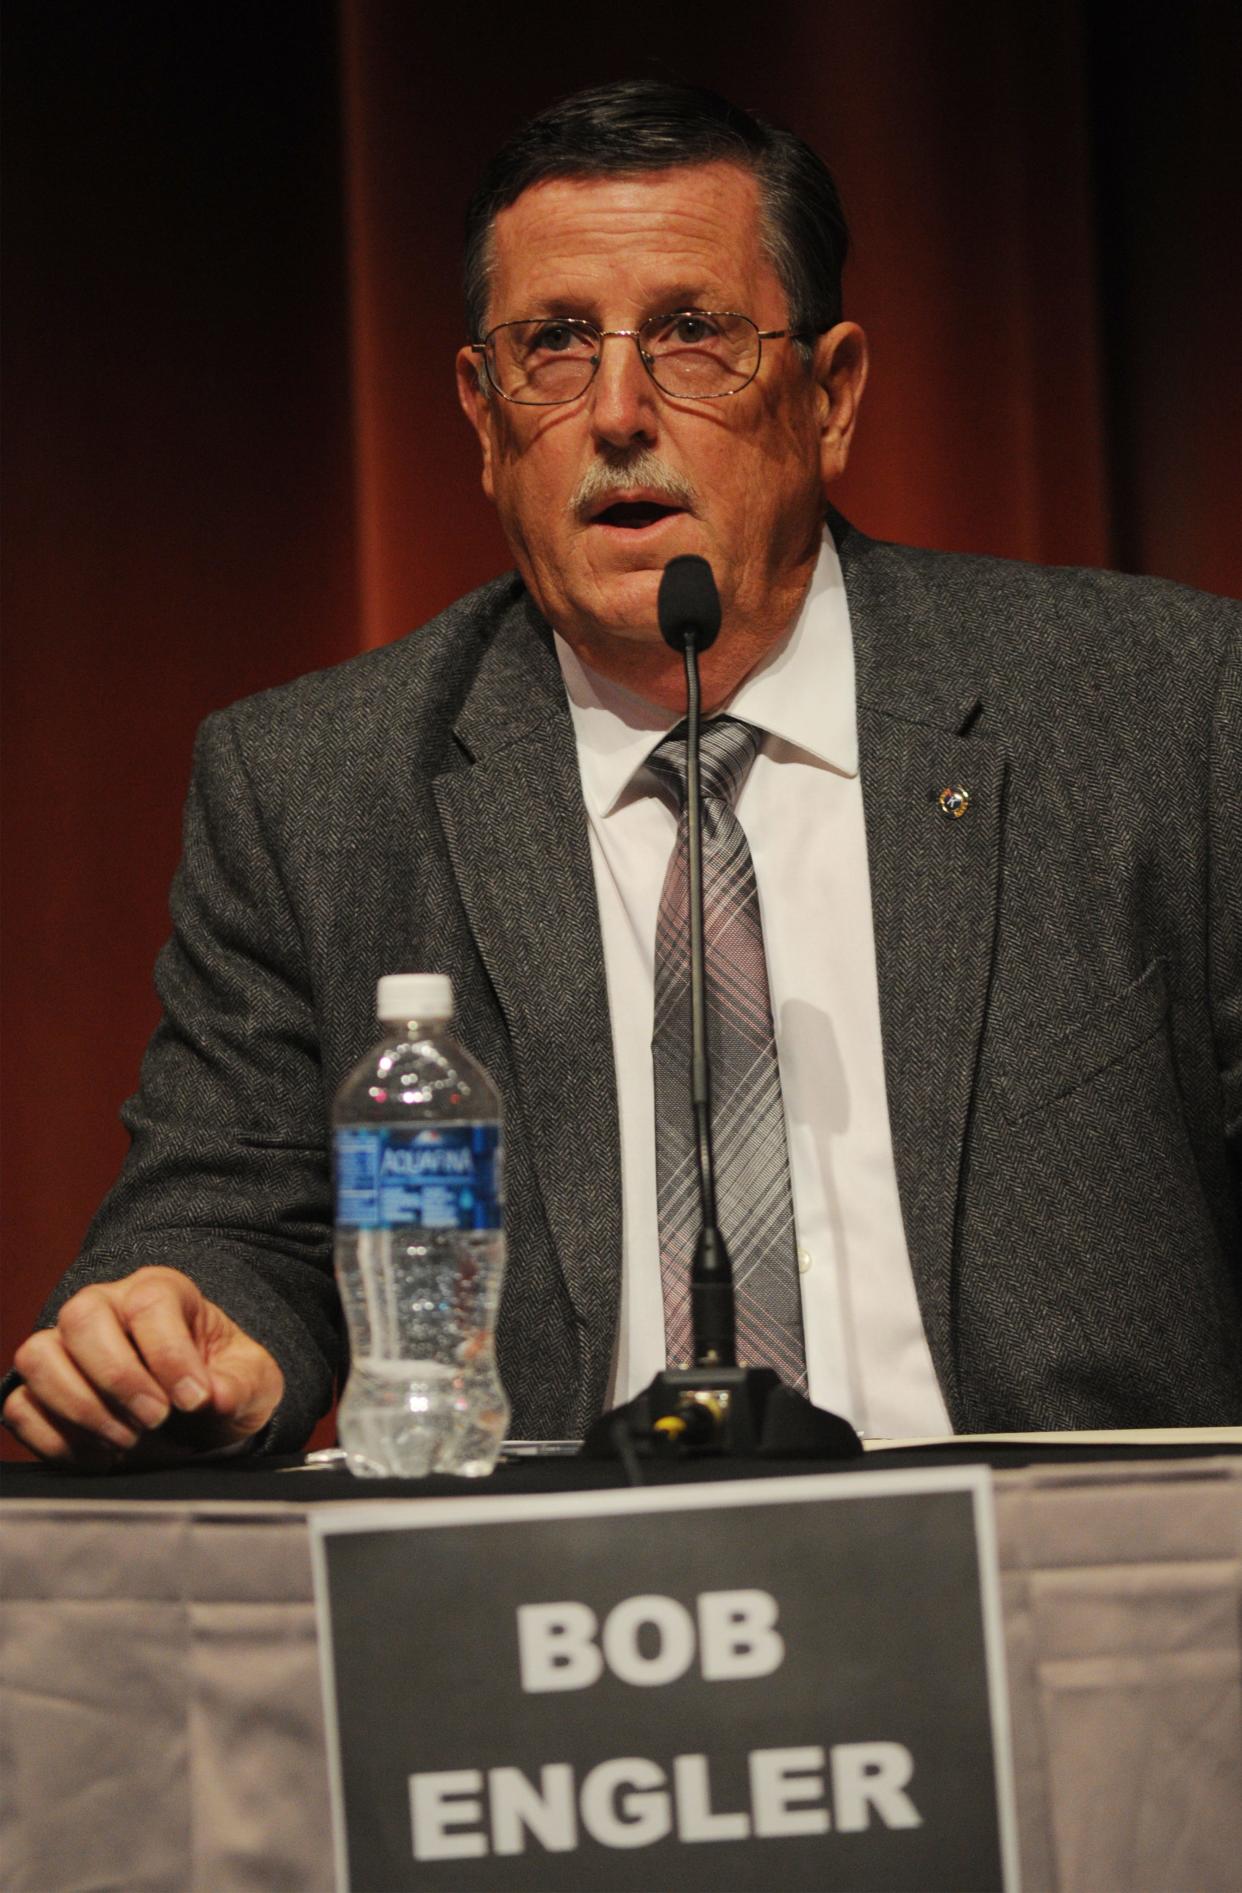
(793, 1683)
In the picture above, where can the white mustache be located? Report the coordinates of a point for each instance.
(622, 473)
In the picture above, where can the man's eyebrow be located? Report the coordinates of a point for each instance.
(576, 307)
(686, 296)
(664, 302)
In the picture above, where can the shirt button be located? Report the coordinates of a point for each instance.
(804, 1261)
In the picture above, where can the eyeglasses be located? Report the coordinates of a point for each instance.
(695, 354)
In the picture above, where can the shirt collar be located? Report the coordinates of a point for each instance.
(802, 694)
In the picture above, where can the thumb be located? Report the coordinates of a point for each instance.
(246, 1387)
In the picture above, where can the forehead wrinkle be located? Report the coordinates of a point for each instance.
(593, 237)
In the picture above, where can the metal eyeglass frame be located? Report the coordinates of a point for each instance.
(602, 335)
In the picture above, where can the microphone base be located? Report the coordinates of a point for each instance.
(723, 1413)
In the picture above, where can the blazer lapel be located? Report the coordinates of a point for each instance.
(517, 835)
(934, 889)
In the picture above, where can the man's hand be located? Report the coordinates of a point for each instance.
(125, 1358)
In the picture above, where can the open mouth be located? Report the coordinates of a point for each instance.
(633, 515)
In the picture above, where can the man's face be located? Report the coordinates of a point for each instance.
(748, 470)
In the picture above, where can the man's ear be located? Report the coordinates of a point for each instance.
(840, 371)
(478, 404)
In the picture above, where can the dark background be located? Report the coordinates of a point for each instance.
(232, 447)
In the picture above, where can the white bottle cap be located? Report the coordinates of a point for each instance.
(414, 996)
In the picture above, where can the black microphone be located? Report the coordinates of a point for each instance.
(689, 616)
(715, 1406)
(689, 604)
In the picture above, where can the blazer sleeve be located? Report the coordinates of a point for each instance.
(1225, 895)
(227, 1178)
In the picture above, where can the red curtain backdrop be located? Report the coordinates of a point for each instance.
(232, 447)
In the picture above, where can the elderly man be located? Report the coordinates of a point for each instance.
(989, 827)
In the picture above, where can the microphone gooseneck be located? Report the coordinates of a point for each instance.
(689, 616)
(715, 1406)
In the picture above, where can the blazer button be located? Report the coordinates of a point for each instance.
(953, 802)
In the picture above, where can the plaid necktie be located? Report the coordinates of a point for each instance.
(754, 1203)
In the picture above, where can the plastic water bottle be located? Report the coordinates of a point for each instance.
(419, 1244)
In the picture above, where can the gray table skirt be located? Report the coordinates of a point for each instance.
(161, 1724)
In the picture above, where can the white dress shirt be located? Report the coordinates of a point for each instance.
(801, 808)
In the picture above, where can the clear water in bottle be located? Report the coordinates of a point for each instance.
(419, 1245)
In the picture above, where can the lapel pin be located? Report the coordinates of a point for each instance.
(953, 802)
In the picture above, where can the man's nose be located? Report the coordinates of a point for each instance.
(623, 396)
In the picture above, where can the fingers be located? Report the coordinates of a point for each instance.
(124, 1356)
(62, 1390)
(227, 1372)
(52, 1438)
(96, 1354)
(86, 1376)
(164, 1314)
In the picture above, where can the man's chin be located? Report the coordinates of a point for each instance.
(614, 596)
(623, 606)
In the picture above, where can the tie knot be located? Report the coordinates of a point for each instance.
(727, 747)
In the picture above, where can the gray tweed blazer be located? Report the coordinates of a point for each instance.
(1060, 976)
